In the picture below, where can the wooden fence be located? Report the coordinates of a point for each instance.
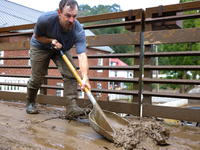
(153, 26)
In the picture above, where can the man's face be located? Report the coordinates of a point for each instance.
(67, 18)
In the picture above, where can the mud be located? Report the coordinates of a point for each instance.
(48, 130)
(142, 134)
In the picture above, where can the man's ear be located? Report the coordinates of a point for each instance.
(59, 13)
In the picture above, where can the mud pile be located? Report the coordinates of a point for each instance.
(141, 134)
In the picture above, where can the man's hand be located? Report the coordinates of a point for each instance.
(85, 83)
(56, 44)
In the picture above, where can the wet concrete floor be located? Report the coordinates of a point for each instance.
(46, 131)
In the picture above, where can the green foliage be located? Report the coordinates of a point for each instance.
(86, 10)
(189, 60)
(163, 86)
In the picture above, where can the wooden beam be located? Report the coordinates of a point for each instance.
(19, 27)
(99, 40)
(107, 16)
(61, 101)
(25, 45)
(171, 113)
(172, 36)
(114, 39)
(176, 7)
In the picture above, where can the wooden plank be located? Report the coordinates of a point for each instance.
(114, 39)
(172, 18)
(124, 55)
(176, 7)
(99, 40)
(100, 17)
(107, 16)
(172, 54)
(181, 67)
(130, 80)
(172, 36)
(60, 101)
(171, 113)
(119, 107)
(16, 34)
(19, 27)
(172, 81)
(25, 45)
(115, 24)
(173, 95)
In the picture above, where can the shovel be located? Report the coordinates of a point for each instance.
(105, 123)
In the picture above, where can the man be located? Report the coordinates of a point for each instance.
(63, 31)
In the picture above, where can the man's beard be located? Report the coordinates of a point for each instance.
(66, 28)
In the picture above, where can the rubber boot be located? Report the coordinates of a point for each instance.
(70, 92)
(30, 104)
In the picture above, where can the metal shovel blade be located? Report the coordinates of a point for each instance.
(114, 120)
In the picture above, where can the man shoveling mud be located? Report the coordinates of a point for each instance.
(61, 29)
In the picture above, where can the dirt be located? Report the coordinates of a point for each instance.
(49, 130)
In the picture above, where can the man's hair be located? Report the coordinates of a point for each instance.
(71, 3)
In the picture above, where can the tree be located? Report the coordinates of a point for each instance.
(86, 10)
(190, 60)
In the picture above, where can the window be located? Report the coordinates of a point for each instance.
(13, 88)
(115, 73)
(81, 94)
(100, 63)
(1, 55)
(99, 87)
(59, 92)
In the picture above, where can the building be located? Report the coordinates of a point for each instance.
(119, 74)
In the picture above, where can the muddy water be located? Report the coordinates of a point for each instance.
(21, 131)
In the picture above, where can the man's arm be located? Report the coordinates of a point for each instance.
(45, 39)
(84, 67)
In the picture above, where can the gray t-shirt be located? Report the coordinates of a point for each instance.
(48, 25)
